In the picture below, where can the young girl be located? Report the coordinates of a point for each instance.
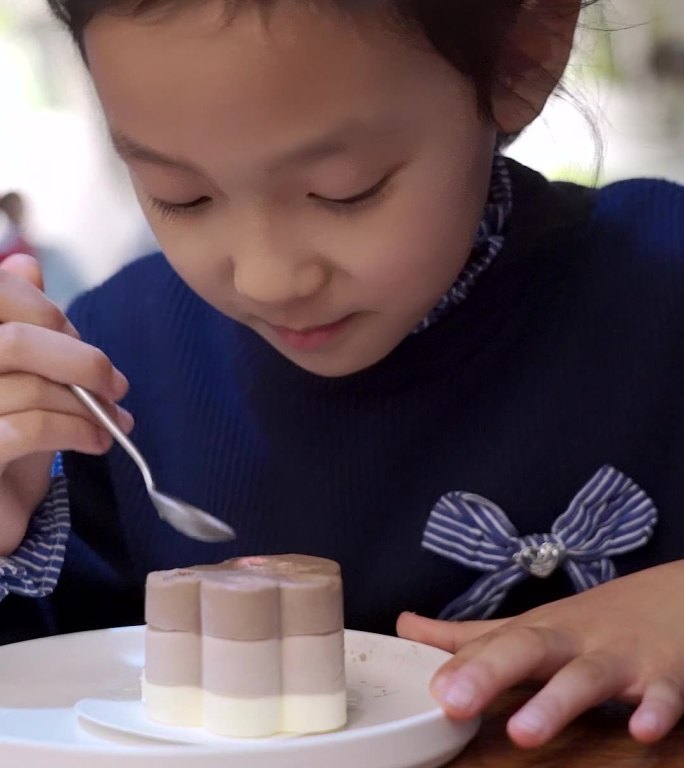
(369, 338)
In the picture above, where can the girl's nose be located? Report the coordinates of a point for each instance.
(274, 279)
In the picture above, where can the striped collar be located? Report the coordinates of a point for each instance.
(487, 245)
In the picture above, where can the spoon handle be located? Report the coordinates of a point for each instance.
(113, 428)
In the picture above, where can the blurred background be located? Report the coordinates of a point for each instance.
(66, 195)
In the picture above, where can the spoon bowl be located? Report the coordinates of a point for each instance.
(188, 519)
(185, 518)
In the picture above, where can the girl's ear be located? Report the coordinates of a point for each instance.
(533, 60)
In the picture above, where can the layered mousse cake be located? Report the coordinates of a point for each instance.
(247, 648)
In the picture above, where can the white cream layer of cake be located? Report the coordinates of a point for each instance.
(181, 705)
(241, 717)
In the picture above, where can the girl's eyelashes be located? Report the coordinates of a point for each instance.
(369, 196)
(170, 210)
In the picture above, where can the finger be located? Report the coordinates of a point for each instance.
(661, 708)
(465, 686)
(60, 358)
(24, 434)
(448, 635)
(585, 682)
(22, 299)
(26, 268)
(20, 392)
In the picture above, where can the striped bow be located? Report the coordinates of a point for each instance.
(609, 516)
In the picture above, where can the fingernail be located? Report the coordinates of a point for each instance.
(120, 383)
(648, 721)
(104, 439)
(71, 330)
(531, 720)
(126, 420)
(454, 692)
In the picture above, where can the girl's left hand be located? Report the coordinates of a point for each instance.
(623, 639)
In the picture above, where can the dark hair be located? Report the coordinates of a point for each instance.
(473, 35)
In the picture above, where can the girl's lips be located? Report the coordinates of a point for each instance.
(311, 338)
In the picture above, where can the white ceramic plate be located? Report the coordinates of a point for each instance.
(73, 701)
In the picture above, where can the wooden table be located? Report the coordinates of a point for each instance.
(599, 739)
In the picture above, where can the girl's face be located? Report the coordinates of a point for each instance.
(316, 177)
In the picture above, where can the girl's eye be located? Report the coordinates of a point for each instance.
(170, 210)
(177, 209)
(368, 195)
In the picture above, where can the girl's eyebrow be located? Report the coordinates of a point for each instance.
(129, 149)
(336, 142)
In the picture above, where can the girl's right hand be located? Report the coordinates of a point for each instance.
(40, 352)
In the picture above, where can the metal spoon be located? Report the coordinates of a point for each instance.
(189, 520)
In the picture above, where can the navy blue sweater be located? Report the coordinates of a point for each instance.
(568, 355)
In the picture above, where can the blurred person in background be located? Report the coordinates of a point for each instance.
(12, 232)
(62, 280)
